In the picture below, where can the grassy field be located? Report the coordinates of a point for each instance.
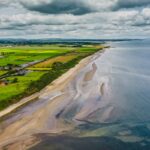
(25, 54)
(18, 87)
(53, 61)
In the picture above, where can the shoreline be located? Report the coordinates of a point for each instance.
(63, 80)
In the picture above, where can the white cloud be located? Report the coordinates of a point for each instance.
(102, 21)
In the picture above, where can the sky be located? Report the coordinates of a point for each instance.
(93, 19)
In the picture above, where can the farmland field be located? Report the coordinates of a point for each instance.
(24, 54)
(27, 69)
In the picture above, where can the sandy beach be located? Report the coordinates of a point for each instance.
(54, 111)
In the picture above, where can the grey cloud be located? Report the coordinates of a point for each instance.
(21, 21)
(3, 3)
(75, 7)
(121, 4)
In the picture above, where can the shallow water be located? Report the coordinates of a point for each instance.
(108, 100)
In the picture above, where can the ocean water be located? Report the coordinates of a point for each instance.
(126, 65)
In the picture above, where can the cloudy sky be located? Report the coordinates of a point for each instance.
(74, 18)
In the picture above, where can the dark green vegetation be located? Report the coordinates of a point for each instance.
(25, 70)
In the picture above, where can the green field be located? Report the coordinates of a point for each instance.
(24, 54)
(51, 62)
(22, 84)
